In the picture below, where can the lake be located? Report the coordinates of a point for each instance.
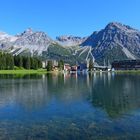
(97, 106)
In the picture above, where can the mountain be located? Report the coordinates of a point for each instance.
(37, 43)
(28, 41)
(115, 41)
(69, 41)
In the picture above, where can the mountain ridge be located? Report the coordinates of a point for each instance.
(69, 40)
(115, 41)
(38, 43)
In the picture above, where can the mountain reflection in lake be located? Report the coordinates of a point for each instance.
(70, 107)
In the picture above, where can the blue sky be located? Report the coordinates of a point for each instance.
(61, 17)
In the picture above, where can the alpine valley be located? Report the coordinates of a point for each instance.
(115, 42)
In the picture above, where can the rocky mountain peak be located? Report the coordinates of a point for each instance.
(29, 31)
(120, 27)
(70, 40)
(115, 25)
(68, 37)
(26, 33)
(30, 37)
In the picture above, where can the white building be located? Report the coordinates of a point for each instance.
(45, 63)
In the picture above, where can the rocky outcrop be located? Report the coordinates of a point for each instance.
(68, 41)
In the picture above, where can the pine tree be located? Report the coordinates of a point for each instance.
(11, 62)
(91, 65)
(9, 65)
(61, 65)
(27, 63)
(24, 62)
(0, 61)
(3, 59)
(49, 66)
(8, 61)
(20, 61)
(39, 64)
(15, 60)
(32, 63)
(35, 63)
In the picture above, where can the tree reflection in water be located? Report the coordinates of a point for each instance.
(70, 106)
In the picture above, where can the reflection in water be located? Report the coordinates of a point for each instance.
(116, 94)
(70, 106)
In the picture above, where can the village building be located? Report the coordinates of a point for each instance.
(74, 68)
(54, 63)
(126, 65)
(67, 67)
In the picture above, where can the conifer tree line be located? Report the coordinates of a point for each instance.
(8, 62)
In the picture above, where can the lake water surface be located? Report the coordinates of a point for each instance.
(102, 106)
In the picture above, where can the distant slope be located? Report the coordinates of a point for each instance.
(69, 41)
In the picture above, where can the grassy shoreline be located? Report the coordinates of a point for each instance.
(128, 71)
(44, 71)
(40, 71)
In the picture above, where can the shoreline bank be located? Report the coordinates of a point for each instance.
(44, 71)
(40, 71)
